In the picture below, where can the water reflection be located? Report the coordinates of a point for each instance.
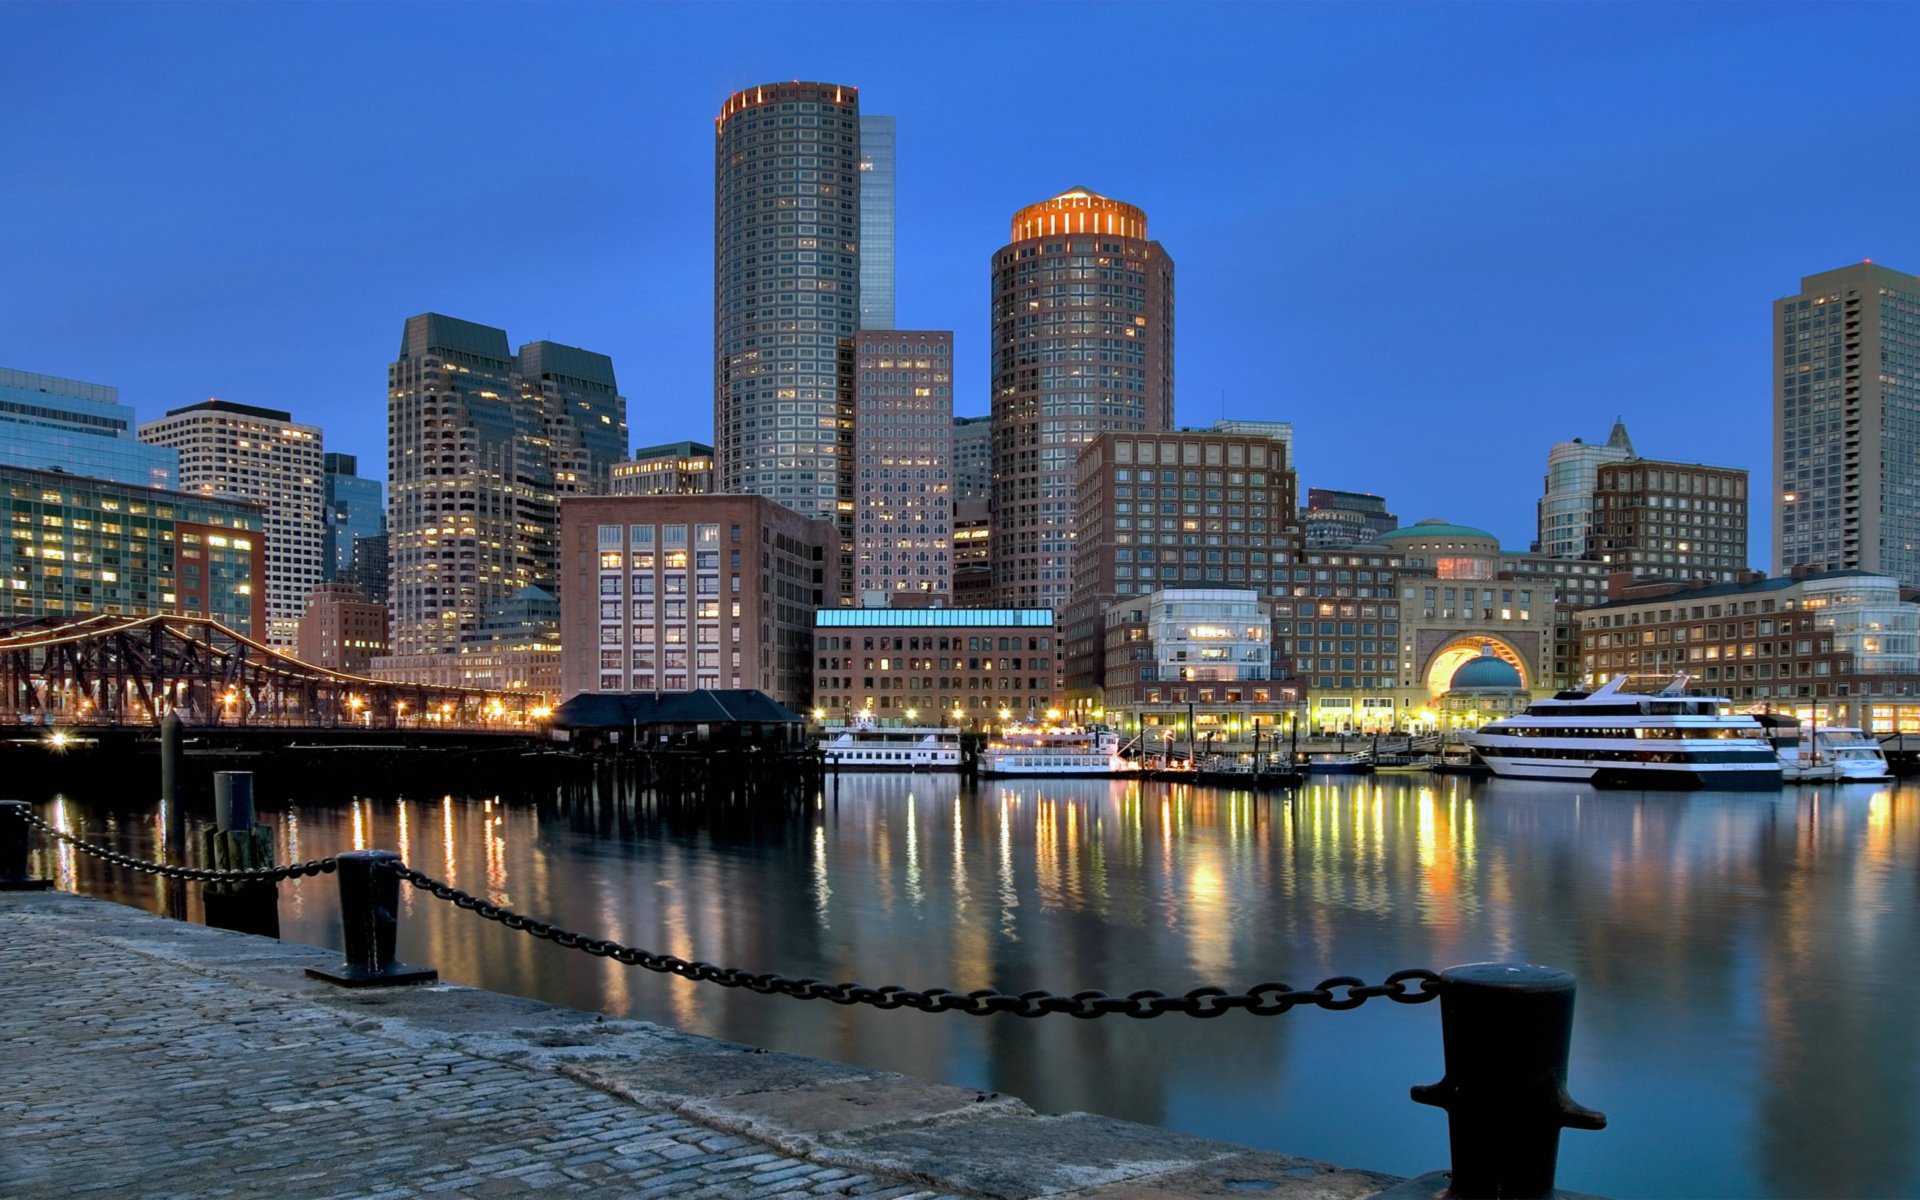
(1744, 961)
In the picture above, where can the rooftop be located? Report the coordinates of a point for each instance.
(939, 618)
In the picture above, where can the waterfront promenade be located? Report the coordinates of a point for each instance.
(155, 1058)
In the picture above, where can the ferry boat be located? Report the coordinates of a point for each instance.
(864, 746)
(1330, 762)
(1837, 754)
(1613, 738)
(1028, 751)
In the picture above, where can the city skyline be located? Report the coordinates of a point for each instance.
(1581, 255)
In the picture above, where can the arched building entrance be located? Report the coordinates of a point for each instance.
(1455, 653)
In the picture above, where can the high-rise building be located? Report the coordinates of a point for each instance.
(481, 446)
(1565, 511)
(673, 469)
(786, 244)
(972, 561)
(1673, 520)
(354, 508)
(903, 477)
(876, 221)
(1082, 345)
(98, 546)
(368, 570)
(1336, 518)
(262, 455)
(972, 458)
(342, 630)
(49, 423)
(1846, 423)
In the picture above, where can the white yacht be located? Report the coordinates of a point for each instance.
(864, 746)
(1613, 738)
(1092, 753)
(1837, 755)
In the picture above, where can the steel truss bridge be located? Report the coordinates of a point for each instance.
(118, 670)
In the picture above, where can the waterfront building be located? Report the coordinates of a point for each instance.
(1565, 510)
(966, 667)
(672, 469)
(876, 221)
(353, 508)
(1336, 518)
(786, 301)
(342, 630)
(83, 546)
(1181, 509)
(1833, 647)
(972, 458)
(1670, 520)
(1482, 689)
(903, 473)
(680, 593)
(972, 569)
(265, 456)
(1846, 437)
(1193, 664)
(53, 424)
(1082, 345)
(482, 444)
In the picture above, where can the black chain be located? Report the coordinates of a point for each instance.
(1265, 999)
(314, 866)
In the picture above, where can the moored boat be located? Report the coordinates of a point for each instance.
(867, 747)
(1834, 754)
(1082, 753)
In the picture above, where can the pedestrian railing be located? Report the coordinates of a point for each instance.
(1506, 1028)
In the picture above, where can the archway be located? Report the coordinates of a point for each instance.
(1448, 659)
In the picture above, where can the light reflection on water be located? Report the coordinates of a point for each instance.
(1745, 962)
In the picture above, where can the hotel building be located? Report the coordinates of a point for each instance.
(1194, 663)
(1672, 520)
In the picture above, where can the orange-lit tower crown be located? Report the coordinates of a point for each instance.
(1078, 210)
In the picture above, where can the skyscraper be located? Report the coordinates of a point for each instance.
(876, 222)
(353, 509)
(481, 445)
(1565, 510)
(1846, 423)
(81, 428)
(786, 244)
(972, 458)
(903, 480)
(1082, 345)
(263, 455)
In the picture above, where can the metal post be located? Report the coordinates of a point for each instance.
(1506, 1028)
(233, 800)
(369, 920)
(235, 843)
(13, 850)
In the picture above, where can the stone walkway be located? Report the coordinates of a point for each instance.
(151, 1058)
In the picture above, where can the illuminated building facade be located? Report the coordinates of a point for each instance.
(261, 455)
(354, 508)
(1082, 345)
(342, 630)
(967, 667)
(48, 423)
(972, 570)
(903, 472)
(876, 221)
(1565, 511)
(1336, 518)
(1670, 520)
(786, 247)
(80, 547)
(680, 593)
(1846, 423)
(673, 469)
(1196, 663)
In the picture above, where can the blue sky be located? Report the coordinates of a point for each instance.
(1437, 238)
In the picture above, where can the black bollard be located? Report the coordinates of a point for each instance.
(1505, 1029)
(13, 850)
(369, 919)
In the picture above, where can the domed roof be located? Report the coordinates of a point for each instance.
(1434, 528)
(1489, 672)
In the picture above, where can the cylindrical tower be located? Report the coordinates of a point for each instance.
(1082, 345)
(786, 298)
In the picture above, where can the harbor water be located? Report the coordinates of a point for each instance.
(1747, 963)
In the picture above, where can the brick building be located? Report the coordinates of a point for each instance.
(964, 666)
(342, 630)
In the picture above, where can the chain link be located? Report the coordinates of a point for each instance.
(1265, 999)
(314, 866)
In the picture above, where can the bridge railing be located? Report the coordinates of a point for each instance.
(1506, 1028)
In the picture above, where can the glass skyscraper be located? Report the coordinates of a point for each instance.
(50, 423)
(355, 509)
(876, 222)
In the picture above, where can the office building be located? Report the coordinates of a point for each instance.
(972, 458)
(1193, 665)
(342, 630)
(1846, 423)
(353, 508)
(1337, 518)
(482, 445)
(1082, 345)
(673, 469)
(679, 593)
(83, 546)
(368, 568)
(876, 221)
(1671, 520)
(265, 456)
(1565, 511)
(903, 473)
(53, 424)
(787, 301)
(972, 568)
(966, 667)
